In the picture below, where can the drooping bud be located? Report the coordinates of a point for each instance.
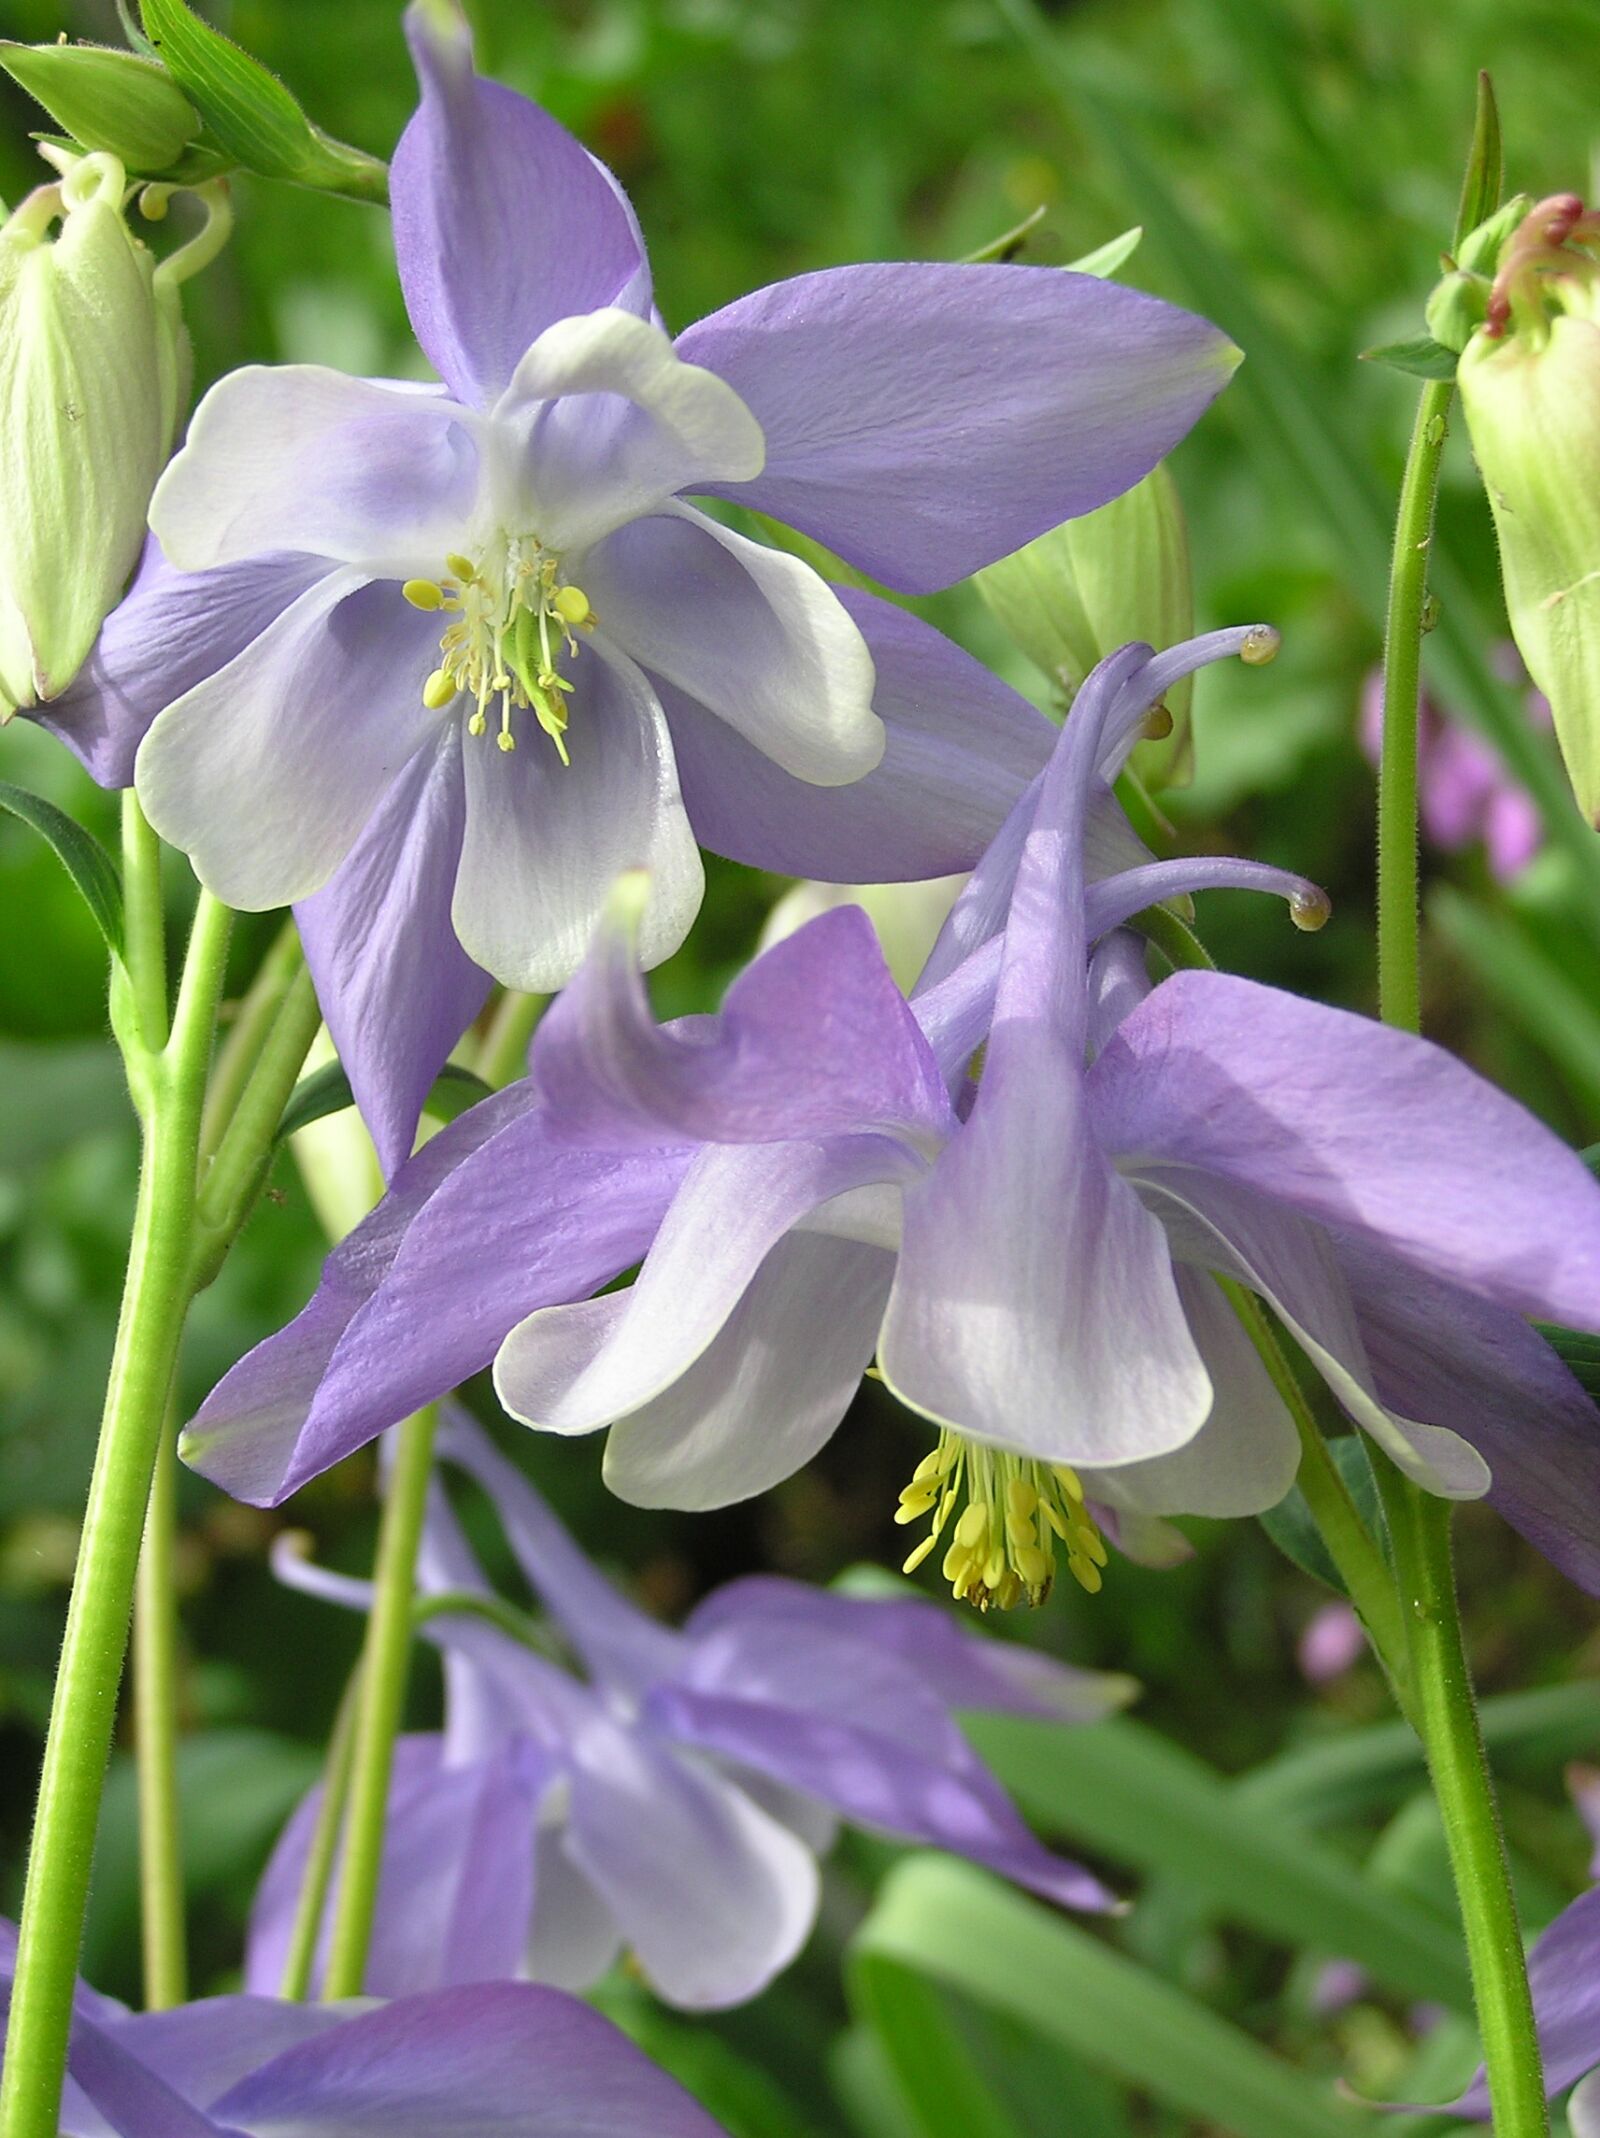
(1092, 585)
(1530, 388)
(107, 99)
(93, 369)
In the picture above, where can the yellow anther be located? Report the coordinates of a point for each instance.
(571, 604)
(479, 722)
(1003, 1548)
(437, 692)
(506, 739)
(461, 567)
(423, 594)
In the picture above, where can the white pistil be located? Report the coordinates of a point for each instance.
(511, 621)
(1003, 1549)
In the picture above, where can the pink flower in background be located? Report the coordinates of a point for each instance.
(1331, 1643)
(1466, 792)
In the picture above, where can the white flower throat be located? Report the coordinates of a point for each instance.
(512, 617)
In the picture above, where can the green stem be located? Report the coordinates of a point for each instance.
(247, 1034)
(1447, 1722)
(1352, 1547)
(1399, 990)
(83, 1712)
(155, 1709)
(503, 1049)
(145, 962)
(234, 1176)
(312, 1900)
(385, 1665)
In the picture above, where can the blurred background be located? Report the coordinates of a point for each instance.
(1295, 168)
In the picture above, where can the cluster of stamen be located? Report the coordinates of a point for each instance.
(511, 618)
(1002, 1551)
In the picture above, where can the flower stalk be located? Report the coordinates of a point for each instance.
(155, 1699)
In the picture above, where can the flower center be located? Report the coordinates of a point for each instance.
(1004, 1546)
(512, 616)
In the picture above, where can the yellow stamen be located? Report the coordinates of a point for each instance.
(1002, 1551)
(571, 604)
(423, 594)
(438, 691)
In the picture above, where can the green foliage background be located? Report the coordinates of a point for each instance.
(1298, 161)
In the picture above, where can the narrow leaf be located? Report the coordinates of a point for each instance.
(249, 110)
(80, 854)
(1485, 173)
(1105, 259)
(1513, 963)
(1125, 1792)
(1420, 358)
(942, 1919)
(327, 1091)
(1290, 1524)
(1008, 244)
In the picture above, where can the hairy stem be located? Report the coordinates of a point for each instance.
(155, 1711)
(385, 1665)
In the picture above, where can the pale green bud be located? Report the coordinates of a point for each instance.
(906, 917)
(1114, 575)
(1532, 405)
(108, 99)
(92, 368)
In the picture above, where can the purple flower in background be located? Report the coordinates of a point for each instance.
(813, 1176)
(498, 2060)
(1333, 1641)
(1464, 791)
(437, 663)
(673, 1800)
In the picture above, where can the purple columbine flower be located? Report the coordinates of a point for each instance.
(1034, 1258)
(673, 1799)
(495, 2060)
(437, 663)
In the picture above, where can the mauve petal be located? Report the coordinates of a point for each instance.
(960, 747)
(134, 2101)
(1583, 2109)
(615, 1639)
(964, 1670)
(492, 2060)
(573, 1940)
(486, 1222)
(267, 772)
(573, 1369)
(923, 420)
(202, 2049)
(875, 1776)
(713, 1895)
(1244, 1458)
(605, 421)
(812, 1039)
(770, 1388)
(1361, 1126)
(170, 631)
(754, 636)
(292, 456)
(395, 985)
(503, 223)
(545, 841)
(1291, 1264)
(1445, 1355)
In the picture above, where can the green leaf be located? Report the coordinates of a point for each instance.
(1008, 244)
(250, 112)
(1125, 1792)
(1105, 259)
(1512, 962)
(1484, 178)
(1420, 358)
(1290, 1524)
(327, 1091)
(940, 1920)
(742, 2097)
(80, 854)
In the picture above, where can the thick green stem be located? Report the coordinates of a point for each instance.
(299, 1967)
(170, 1087)
(385, 1666)
(155, 1724)
(1447, 1722)
(1399, 990)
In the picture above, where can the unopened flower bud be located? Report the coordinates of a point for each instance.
(1094, 584)
(906, 917)
(108, 99)
(92, 371)
(1530, 387)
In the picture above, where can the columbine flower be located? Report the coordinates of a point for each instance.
(472, 651)
(455, 2064)
(672, 1800)
(1035, 1261)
